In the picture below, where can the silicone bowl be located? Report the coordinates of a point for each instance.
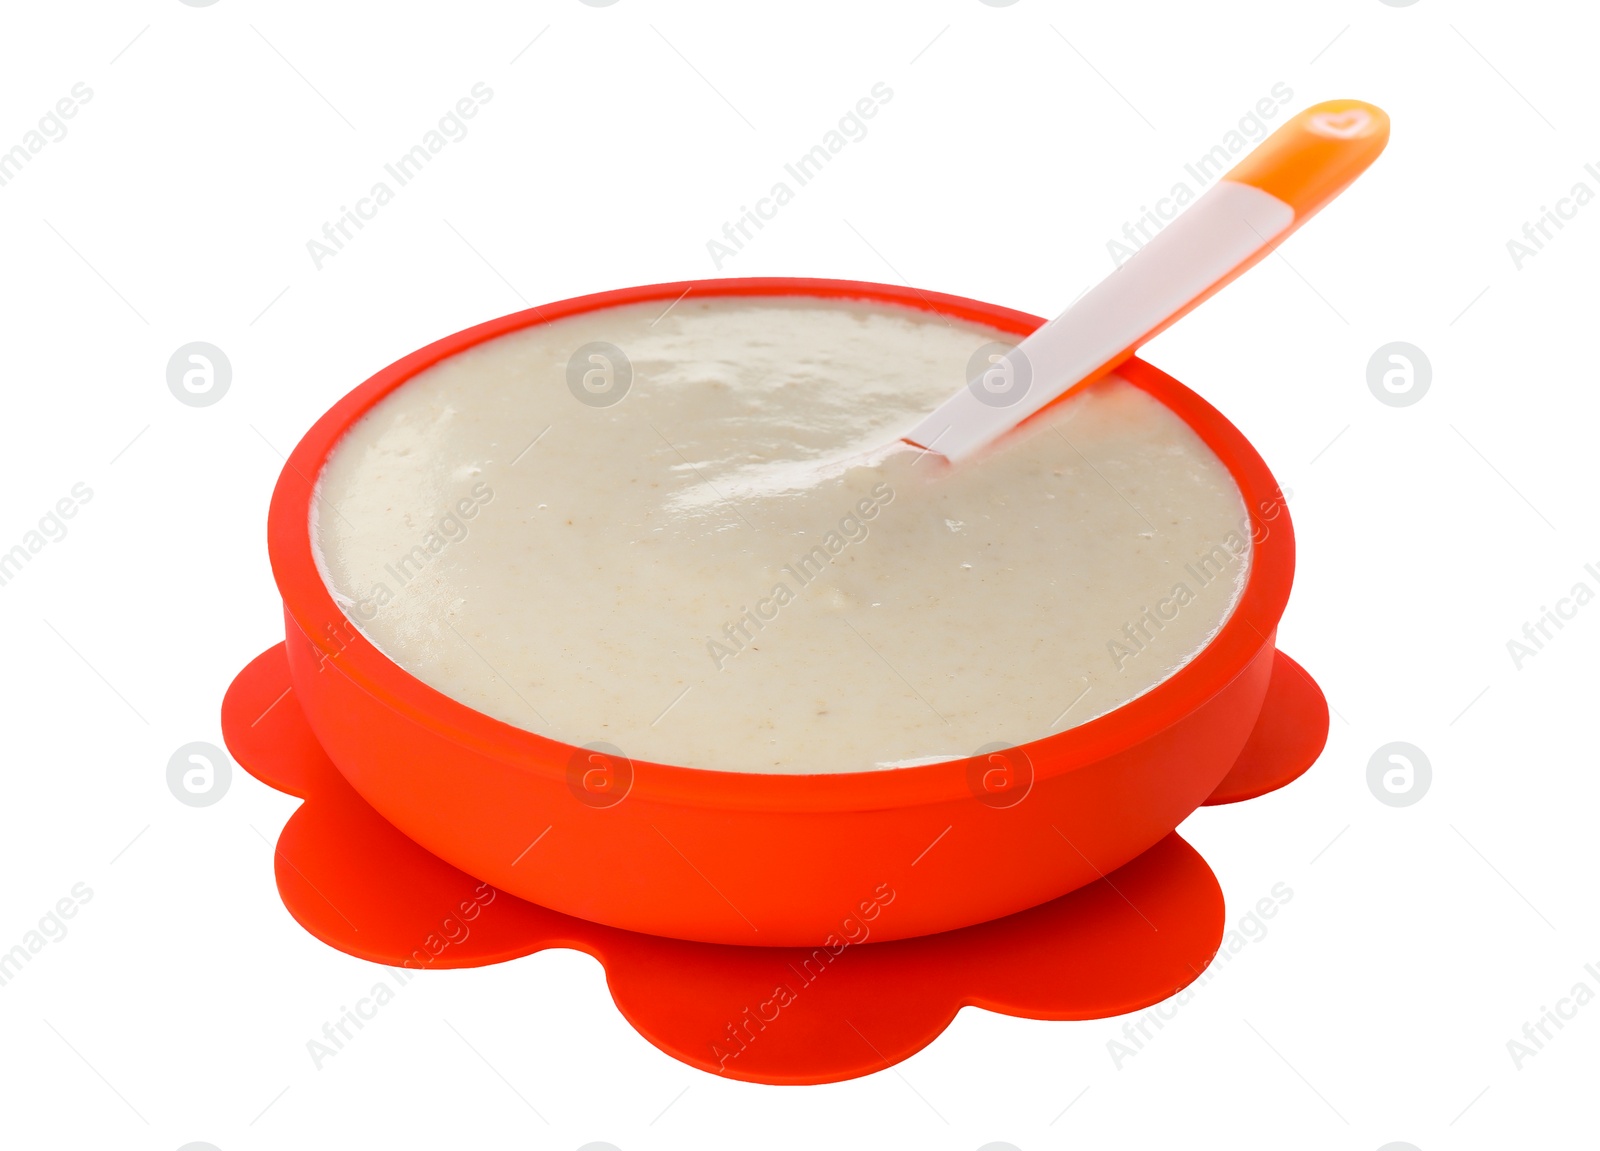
(772, 860)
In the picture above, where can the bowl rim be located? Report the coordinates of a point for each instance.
(309, 604)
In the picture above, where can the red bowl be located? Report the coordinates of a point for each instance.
(747, 858)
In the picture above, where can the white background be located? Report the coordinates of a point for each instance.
(217, 142)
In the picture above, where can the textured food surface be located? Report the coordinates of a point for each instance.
(728, 568)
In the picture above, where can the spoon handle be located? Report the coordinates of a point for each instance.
(1308, 161)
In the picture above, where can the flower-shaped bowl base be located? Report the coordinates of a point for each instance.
(764, 1014)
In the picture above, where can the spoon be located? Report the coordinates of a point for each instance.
(1277, 187)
